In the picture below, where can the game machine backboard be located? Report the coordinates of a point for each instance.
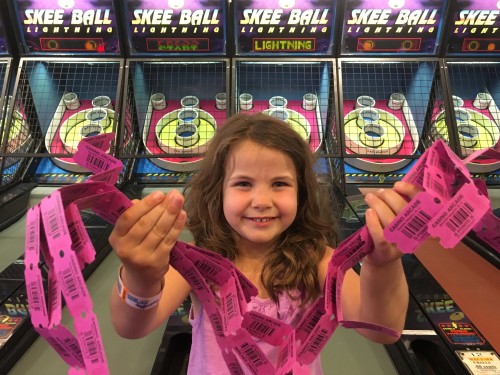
(176, 92)
(392, 84)
(284, 66)
(67, 87)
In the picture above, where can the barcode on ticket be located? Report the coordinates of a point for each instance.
(35, 290)
(460, 217)
(70, 284)
(259, 329)
(97, 162)
(91, 346)
(416, 225)
(55, 227)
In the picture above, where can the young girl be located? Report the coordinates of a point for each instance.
(255, 201)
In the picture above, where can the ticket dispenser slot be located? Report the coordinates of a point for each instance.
(432, 359)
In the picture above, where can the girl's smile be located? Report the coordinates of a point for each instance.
(259, 194)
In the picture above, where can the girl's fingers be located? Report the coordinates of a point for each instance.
(407, 189)
(134, 213)
(163, 249)
(165, 228)
(389, 203)
(386, 211)
(375, 227)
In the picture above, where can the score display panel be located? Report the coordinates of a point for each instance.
(410, 27)
(181, 27)
(284, 26)
(68, 26)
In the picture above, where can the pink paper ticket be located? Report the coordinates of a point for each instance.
(55, 229)
(409, 228)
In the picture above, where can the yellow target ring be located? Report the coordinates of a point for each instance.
(477, 133)
(18, 134)
(298, 122)
(71, 130)
(383, 137)
(167, 127)
(17, 126)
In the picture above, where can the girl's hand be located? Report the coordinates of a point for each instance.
(143, 237)
(385, 204)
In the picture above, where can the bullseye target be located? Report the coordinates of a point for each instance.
(296, 120)
(176, 137)
(379, 127)
(82, 124)
(75, 120)
(475, 130)
(364, 135)
(301, 115)
(19, 137)
(183, 133)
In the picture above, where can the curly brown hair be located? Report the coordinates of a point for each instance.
(293, 265)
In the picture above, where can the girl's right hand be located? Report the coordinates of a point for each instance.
(143, 237)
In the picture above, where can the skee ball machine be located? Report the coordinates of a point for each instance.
(284, 67)
(67, 87)
(389, 83)
(176, 96)
(473, 73)
(176, 87)
(389, 109)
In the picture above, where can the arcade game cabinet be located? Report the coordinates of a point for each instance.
(68, 86)
(473, 74)
(176, 90)
(176, 95)
(396, 96)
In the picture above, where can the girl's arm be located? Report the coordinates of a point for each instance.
(142, 238)
(380, 294)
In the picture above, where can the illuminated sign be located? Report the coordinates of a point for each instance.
(176, 26)
(392, 26)
(79, 26)
(474, 28)
(289, 26)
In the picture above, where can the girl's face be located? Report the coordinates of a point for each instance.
(259, 194)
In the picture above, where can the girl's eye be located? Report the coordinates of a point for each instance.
(242, 183)
(280, 184)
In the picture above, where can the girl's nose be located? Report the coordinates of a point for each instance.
(261, 198)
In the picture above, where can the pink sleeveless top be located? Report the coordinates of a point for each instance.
(205, 356)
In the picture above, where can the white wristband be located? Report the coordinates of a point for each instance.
(141, 303)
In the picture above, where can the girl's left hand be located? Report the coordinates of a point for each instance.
(385, 204)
